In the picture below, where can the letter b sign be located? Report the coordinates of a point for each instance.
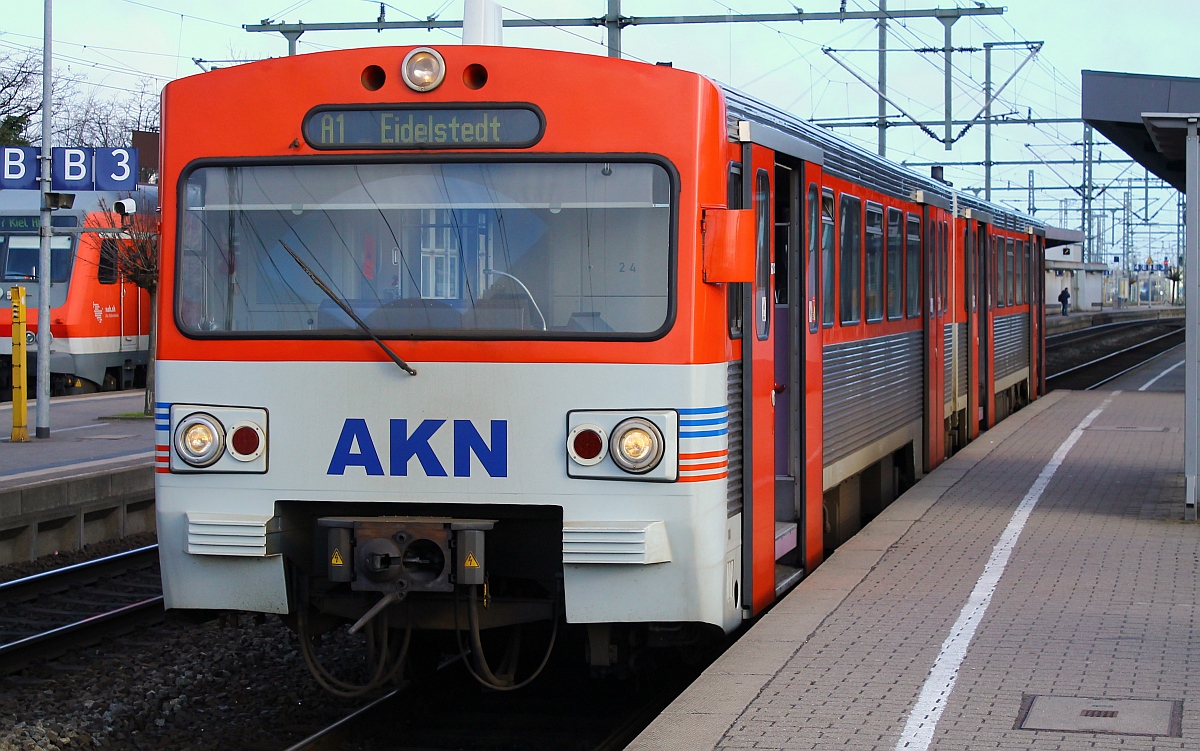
(94, 169)
(19, 167)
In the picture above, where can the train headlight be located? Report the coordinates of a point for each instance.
(423, 69)
(636, 445)
(200, 439)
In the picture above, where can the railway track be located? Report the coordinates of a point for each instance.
(48, 614)
(567, 712)
(1100, 370)
(1092, 333)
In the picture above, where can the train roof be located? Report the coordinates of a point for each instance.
(856, 164)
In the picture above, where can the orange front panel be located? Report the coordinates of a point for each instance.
(258, 110)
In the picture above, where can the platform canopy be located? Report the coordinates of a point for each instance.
(1113, 104)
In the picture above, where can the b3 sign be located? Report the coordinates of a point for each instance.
(71, 169)
(93, 169)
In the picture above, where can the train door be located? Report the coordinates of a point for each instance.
(758, 387)
(934, 316)
(992, 281)
(791, 525)
(971, 246)
(1033, 280)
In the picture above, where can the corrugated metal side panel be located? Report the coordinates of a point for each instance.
(734, 479)
(947, 361)
(872, 388)
(1011, 344)
(962, 360)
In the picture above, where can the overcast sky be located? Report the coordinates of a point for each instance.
(114, 43)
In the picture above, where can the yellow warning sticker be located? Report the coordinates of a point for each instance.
(470, 562)
(336, 560)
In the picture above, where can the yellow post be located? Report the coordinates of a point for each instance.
(20, 374)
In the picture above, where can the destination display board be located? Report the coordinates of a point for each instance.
(407, 127)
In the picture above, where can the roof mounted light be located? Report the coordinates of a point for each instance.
(423, 69)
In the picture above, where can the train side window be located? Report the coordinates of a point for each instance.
(1020, 292)
(1010, 267)
(828, 236)
(944, 272)
(106, 272)
(912, 267)
(762, 250)
(895, 265)
(998, 280)
(733, 200)
(783, 233)
(814, 234)
(968, 259)
(874, 265)
(850, 267)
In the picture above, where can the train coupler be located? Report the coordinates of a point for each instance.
(394, 554)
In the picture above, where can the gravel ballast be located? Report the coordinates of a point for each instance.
(217, 685)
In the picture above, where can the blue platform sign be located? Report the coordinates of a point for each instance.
(19, 167)
(116, 169)
(71, 170)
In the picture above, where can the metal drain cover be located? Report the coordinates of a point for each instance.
(1078, 714)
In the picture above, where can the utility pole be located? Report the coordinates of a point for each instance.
(948, 22)
(883, 124)
(42, 412)
(987, 122)
(613, 22)
(1127, 235)
(1087, 193)
(1032, 206)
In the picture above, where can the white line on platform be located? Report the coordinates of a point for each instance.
(923, 719)
(64, 430)
(95, 464)
(1150, 383)
(140, 393)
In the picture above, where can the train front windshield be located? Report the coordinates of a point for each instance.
(478, 250)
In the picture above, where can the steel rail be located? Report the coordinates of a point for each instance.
(78, 573)
(1133, 367)
(336, 736)
(16, 655)
(1076, 336)
(1099, 360)
(86, 630)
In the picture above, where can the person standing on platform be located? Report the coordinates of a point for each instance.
(1064, 297)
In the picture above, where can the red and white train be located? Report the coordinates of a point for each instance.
(100, 321)
(459, 338)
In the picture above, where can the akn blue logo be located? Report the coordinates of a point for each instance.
(356, 448)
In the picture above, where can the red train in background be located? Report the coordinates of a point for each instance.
(663, 346)
(100, 322)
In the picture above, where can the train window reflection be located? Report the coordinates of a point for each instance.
(21, 258)
(553, 249)
(874, 255)
(912, 264)
(895, 264)
(851, 278)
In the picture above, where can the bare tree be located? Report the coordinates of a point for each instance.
(137, 261)
(83, 116)
(21, 97)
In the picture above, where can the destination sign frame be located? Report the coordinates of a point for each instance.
(423, 127)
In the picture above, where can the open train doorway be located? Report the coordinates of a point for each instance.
(790, 339)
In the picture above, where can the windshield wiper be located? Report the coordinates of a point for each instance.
(346, 309)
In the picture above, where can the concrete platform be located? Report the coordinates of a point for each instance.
(1037, 591)
(92, 480)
